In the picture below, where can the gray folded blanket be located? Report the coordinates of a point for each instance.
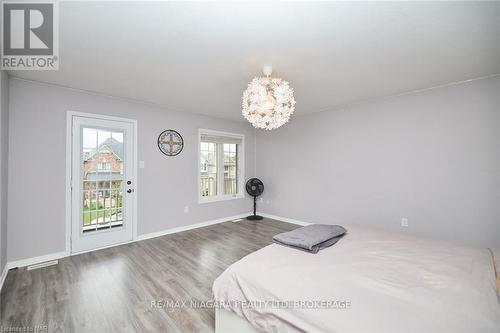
(311, 238)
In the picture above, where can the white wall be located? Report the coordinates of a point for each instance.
(431, 156)
(4, 135)
(36, 215)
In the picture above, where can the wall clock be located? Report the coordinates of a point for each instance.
(170, 142)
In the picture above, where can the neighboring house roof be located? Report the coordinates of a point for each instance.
(110, 144)
(229, 158)
(226, 159)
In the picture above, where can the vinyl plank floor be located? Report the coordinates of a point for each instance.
(112, 290)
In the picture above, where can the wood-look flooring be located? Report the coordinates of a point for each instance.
(112, 290)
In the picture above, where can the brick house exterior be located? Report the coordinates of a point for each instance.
(103, 174)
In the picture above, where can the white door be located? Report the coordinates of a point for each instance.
(102, 185)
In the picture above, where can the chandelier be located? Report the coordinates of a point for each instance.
(268, 102)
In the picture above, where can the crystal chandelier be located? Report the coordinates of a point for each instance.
(268, 102)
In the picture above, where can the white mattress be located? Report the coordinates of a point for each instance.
(393, 283)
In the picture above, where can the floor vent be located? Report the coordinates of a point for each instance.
(237, 220)
(43, 264)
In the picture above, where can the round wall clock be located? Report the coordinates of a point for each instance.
(170, 142)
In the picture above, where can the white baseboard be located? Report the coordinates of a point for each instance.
(63, 254)
(3, 276)
(59, 255)
(36, 260)
(189, 227)
(284, 219)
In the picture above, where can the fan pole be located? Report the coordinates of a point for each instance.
(254, 216)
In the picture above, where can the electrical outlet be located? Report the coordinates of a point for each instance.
(404, 221)
(261, 200)
(186, 209)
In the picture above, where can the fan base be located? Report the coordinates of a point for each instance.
(254, 217)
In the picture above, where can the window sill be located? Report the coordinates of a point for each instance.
(219, 198)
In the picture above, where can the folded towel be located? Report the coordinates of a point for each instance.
(311, 238)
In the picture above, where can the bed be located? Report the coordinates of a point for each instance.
(371, 280)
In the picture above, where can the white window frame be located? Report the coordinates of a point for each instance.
(220, 168)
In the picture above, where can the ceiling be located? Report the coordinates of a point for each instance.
(199, 57)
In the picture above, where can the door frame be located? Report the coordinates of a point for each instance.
(69, 143)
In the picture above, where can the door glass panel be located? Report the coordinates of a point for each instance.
(102, 181)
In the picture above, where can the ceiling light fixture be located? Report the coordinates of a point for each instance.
(268, 102)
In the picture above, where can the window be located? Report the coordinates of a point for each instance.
(230, 151)
(220, 166)
(104, 166)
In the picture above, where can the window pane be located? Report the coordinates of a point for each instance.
(92, 217)
(230, 168)
(86, 207)
(102, 158)
(208, 169)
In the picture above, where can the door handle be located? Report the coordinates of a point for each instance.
(130, 190)
(129, 182)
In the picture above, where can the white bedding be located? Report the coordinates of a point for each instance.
(393, 283)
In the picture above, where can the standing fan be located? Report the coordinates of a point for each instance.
(255, 188)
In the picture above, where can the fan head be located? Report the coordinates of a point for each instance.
(254, 187)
